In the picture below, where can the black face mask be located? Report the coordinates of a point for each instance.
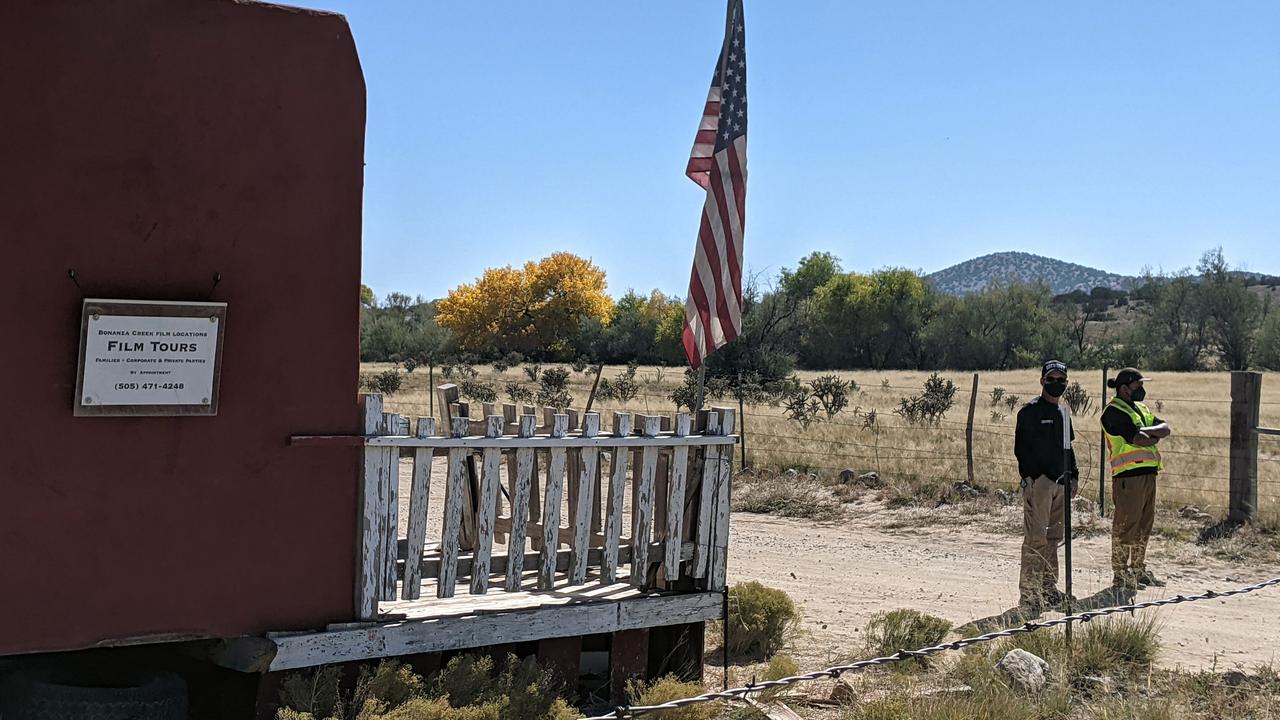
(1138, 395)
(1055, 389)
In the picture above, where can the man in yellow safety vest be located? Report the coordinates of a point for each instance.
(1132, 434)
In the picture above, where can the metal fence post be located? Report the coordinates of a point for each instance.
(1102, 454)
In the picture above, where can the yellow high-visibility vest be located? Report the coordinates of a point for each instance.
(1125, 456)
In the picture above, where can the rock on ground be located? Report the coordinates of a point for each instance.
(1025, 671)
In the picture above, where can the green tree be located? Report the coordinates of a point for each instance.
(764, 350)
(669, 337)
(632, 332)
(814, 270)
(874, 320)
(1268, 350)
(1009, 324)
(1174, 330)
(1233, 311)
(403, 330)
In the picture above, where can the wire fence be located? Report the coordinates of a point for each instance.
(754, 688)
(1196, 458)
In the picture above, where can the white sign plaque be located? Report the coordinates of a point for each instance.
(149, 358)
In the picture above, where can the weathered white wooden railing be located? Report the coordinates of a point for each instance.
(677, 471)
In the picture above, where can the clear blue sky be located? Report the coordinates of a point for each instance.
(914, 134)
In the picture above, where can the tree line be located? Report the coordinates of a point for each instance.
(819, 316)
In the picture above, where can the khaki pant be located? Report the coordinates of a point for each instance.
(1133, 515)
(1042, 530)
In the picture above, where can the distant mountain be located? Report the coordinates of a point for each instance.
(1062, 277)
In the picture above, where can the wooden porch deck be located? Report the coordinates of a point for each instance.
(533, 540)
(432, 624)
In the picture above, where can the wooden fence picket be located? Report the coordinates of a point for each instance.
(551, 505)
(588, 461)
(490, 481)
(675, 501)
(453, 499)
(617, 487)
(372, 535)
(419, 499)
(642, 513)
(724, 475)
(706, 509)
(520, 505)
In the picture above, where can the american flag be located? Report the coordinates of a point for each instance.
(713, 310)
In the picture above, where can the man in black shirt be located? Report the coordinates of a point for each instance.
(1047, 469)
(1132, 432)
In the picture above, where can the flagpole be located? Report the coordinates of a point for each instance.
(728, 33)
(702, 382)
(1066, 510)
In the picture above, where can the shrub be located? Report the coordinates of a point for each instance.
(1078, 399)
(666, 689)
(553, 390)
(466, 689)
(931, 405)
(904, 629)
(784, 498)
(997, 394)
(459, 368)
(622, 388)
(832, 393)
(1115, 646)
(317, 694)
(780, 666)
(761, 620)
(478, 390)
(518, 393)
(389, 684)
(533, 372)
(868, 420)
(800, 407)
(508, 361)
(387, 382)
(581, 364)
(1121, 645)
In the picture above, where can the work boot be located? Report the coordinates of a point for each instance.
(1124, 581)
(1144, 578)
(1031, 607)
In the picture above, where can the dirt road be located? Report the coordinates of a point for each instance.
(843, 573)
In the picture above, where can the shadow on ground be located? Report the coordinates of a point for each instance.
(1016, 616)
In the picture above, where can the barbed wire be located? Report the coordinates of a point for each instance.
(834, 672)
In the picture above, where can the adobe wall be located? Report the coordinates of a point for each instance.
(150, 144)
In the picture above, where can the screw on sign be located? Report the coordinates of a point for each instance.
(903, 655)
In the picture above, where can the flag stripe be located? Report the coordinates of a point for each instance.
(717, 163)
(717, 214)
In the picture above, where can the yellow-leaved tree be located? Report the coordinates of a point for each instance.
(536, 310)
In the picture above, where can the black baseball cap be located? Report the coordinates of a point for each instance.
(1051, 366)
(1129, 375)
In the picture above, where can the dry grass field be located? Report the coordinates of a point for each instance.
(928, 459)
(844, 553)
